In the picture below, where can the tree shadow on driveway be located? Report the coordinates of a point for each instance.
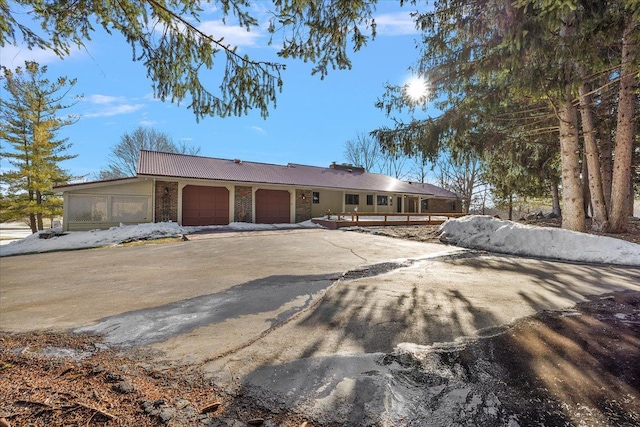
(486, 379)
(141, 327)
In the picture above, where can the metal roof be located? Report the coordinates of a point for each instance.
(435, 190)
(153, 163)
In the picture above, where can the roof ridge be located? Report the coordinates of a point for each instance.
(221, 158)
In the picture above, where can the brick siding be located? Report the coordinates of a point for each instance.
(166, 201)
(443, 205)
(303, 205)
(243, 203)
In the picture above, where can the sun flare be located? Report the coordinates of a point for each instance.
(416, 89)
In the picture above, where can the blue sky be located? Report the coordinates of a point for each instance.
(313, 119)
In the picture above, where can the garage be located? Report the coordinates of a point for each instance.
(273, 207)
(203, 205)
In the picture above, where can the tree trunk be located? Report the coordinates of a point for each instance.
(586, 194)
(32, 223)
(572, 200)
(600, 219)
(39, 214)
(622, 152)
(555, 196)
(606, 167)
(631, 197)
(32, 216)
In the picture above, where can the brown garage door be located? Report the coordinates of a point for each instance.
(272, 207)
(205, 205)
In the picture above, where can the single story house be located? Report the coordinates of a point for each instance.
(194, 190)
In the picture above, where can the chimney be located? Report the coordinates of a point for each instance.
(347, 168)
(237, 161)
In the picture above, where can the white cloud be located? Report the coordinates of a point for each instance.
(259, 129)
(234, 35)
(15, 56)
(150, 97)
(115, 110)
(105, 99)
(395, 24)
(108, 106)
(147, 122)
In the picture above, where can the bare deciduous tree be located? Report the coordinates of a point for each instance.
(363, 152)
(461, 176)
(123, 160)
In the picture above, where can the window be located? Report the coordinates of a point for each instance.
(352, 199)
(87, 208)
(424, 205)
(453, 206)
(369, 199)
(90, 208)
(383, 200)
(129, 208)
(316, 197)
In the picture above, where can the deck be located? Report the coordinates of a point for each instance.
(353, 219)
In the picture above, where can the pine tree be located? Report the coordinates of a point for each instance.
(178, 55)
(29, 117)
(551, 56)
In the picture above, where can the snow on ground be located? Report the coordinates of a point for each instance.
(494, 235)
(126, 233)
(10, 231)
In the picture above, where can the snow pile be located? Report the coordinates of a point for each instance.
(491, 234)
(125, 233)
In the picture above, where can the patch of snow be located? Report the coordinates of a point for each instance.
(11, 231)
(125, 233)
(495, 235)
